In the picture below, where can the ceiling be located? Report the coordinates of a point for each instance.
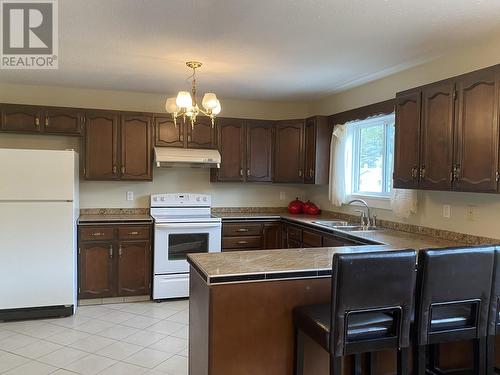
(254, 49)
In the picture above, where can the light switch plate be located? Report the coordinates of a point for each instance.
(282, 196)
(446, 211)
(130, 195)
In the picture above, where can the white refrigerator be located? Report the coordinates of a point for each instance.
(38, 248)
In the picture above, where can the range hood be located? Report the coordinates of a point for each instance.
(187, 157)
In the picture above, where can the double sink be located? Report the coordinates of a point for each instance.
(345, 226)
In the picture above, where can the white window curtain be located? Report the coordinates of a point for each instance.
(404, 202)
(340, 165)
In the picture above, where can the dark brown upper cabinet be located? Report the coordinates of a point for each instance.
(101, 146)
(168, 134)
(436, 155)
(407, 140)
(136, 150)
(41, 120)
(455, 128)
(63, 121)
(246, 150)
(476, 134)
(259, 150)
(317, 139)
(289, 151)
(202, 135)
(21, 118)
(117, 147)
(183, 134)
(231, 140)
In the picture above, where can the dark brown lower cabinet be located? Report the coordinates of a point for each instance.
(272, 235)
(118, 267)
(95, 270)
(134, 268)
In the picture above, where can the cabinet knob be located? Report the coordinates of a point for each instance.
(248, 172)
(46, 121)
(242, 242)
(97, 234)
(241, 172)
(422, 172)
(300, 172)
(114, 169)
(135, 233)
(242, 230)
(111, 251)
(123, 169)
(37, 121)
(120, 252)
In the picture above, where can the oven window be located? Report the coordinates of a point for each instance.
(179, 245)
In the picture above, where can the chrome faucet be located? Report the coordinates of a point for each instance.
(366, 219)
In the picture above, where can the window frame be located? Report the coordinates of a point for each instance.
(377, 199)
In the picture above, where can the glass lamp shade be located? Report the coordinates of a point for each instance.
(217, 109)
(209, 101)
(171, 105)
(184, 99)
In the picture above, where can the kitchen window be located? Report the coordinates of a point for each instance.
(372, 156)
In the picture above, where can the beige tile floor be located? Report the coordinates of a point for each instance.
(119, 339)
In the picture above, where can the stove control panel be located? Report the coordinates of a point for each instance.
(181, 199)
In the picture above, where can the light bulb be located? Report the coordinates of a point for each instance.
(209, 101)
(184, 99)
(217, 109)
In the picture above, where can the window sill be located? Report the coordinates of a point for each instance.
(373, 201)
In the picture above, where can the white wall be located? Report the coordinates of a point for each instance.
(486, 207)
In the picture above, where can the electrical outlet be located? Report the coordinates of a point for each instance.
(282, 196)
(471, 213)
(446, 211)
(130, 195)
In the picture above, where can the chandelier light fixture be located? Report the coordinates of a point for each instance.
(186, 105)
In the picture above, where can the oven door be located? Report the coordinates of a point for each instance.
(174, 241)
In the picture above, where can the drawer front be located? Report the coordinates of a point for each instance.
(134, 232)
(253, 242)
(311, 239)
(241, 229)
(294, 234)
(96, 233)
(294, 244)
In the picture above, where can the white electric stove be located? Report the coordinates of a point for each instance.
(183, 225)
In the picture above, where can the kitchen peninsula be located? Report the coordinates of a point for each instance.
(241, 303)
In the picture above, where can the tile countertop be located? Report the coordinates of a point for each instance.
(119, 218)
(240, 266)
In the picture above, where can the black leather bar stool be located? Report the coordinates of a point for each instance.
(452, 304)
(494, 317)
(370, 310)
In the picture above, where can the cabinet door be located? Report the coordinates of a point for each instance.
(476, 137)
(231, 139)
(202, 135)
(273, 236)
(134, 268)
(95, 270)
(101, 144)
(309, 151)
(259, 151)
(136, 150)
(437, 136)
(21, 118)
(62, 121)
(167, 134)
(407, 143)
(288, 151)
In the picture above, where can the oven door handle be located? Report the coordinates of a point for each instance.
(188, 225)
